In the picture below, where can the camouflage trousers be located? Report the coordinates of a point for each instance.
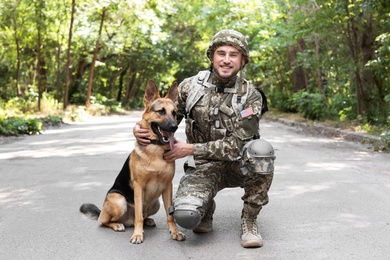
(209, 177)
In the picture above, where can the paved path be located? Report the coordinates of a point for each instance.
(330, 199)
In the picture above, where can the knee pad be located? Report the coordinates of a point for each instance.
(186, 213)
(257, 156)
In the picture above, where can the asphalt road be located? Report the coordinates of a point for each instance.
(330, 199)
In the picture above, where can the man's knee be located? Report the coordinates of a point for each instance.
(186, 212)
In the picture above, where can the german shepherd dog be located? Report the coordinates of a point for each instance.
(145, 175)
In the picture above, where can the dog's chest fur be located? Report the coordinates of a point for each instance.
(152, 170)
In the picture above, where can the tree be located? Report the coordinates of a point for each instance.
(41, 63)
(334, 50)
(68, 56)
(95, 53)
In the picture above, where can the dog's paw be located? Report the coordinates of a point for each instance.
(149, 222)
(137, 239)
(179, 236)
(118, 227)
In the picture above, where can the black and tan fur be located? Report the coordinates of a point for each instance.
(145, 176)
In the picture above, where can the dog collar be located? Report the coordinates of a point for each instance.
(157, 141)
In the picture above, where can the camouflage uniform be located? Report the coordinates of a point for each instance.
(219, 134)
(216, 150)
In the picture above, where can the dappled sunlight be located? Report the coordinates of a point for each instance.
(310, 167)
(293, 138)
(325, 166)
(353, 220)
(87, 185)
(84, 148)
(91, 127)
(15, 198)
(337, 222)
(292, 191)
(69, 144)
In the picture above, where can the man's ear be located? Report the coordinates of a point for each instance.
(243, 61)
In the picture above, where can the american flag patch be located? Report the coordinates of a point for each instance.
(247, 112)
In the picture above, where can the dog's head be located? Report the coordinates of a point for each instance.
(160, 113)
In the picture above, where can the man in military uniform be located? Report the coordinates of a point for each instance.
(222, 111)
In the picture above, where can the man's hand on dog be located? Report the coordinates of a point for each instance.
(141, 134)
(180, 149)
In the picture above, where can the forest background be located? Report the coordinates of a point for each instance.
(320, 59)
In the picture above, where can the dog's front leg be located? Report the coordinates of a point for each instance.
(167, 199)
(138, 235)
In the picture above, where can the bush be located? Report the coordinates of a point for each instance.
(18, 126)
(310, 105)
(385, 138)
(281, 102)
(15, 126)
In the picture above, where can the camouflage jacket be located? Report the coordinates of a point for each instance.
(213, 125)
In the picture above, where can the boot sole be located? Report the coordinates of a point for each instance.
(251, 243)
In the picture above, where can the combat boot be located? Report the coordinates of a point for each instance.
(206, 225)
(250, 236)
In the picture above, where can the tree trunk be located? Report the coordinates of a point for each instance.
(299, 75)
(41, 70)
(360, 45)
(128, 86)
(67, 69)
(122, 76)
(367, 52)
(115, 76)
(58, 71)
(95, 53)
(18, 58)
(319, 81)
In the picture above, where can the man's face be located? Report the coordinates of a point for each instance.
(227, 61)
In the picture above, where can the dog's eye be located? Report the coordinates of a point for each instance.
(161, 112)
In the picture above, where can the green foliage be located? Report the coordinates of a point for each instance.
(51, 120)
(15, 126)
(342, 107)
(19, 126)
(311, 105)
(282, 102)
(385, 138)
(166, 41)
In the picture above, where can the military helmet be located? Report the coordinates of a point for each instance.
(232, 38)
(260, 148)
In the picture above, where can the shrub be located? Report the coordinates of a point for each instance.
(18, 126)
(310, 105)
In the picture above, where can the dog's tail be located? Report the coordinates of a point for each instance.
(90, 210)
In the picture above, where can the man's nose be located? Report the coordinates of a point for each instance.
(226, 58)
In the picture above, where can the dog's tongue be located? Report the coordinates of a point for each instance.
(171, 140)
(170, 137)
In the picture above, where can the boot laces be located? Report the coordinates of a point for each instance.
(249, 223)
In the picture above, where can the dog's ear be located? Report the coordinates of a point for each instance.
(173, 92)
(151, 92)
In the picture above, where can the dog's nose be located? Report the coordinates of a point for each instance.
(173, 127)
